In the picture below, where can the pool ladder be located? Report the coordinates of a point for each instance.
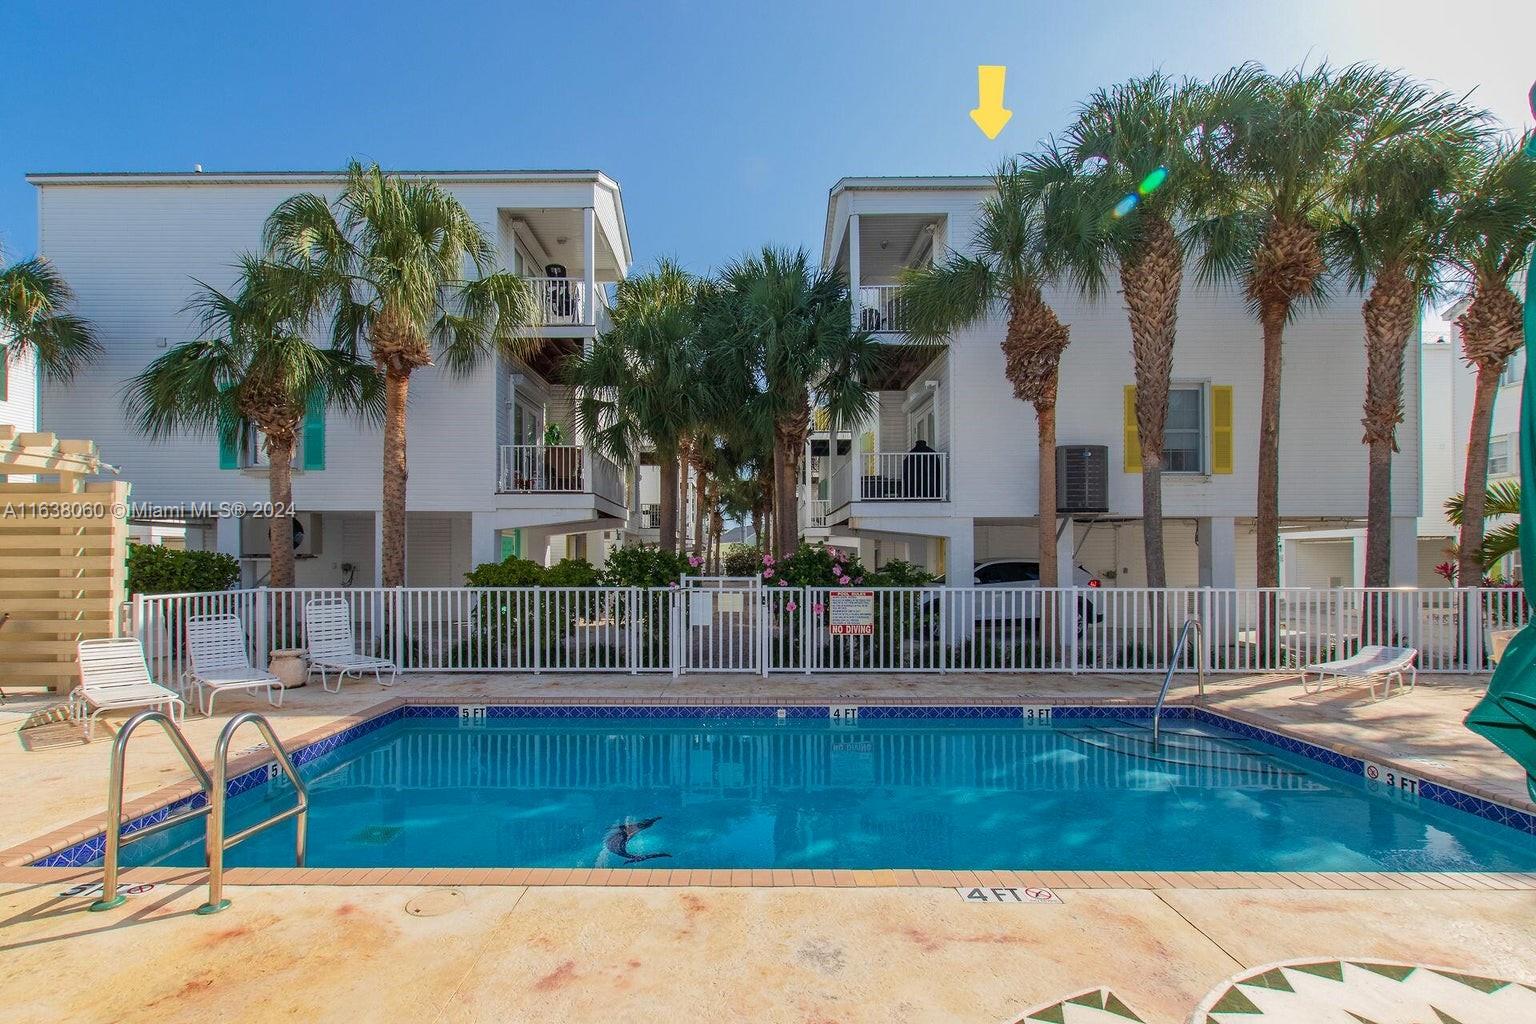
(216, 843)
(1191, 623)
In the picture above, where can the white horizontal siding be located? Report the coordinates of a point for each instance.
(132, 251)
(1323, 464)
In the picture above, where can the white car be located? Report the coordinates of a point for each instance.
(1005, 575)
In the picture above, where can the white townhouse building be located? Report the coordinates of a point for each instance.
(972, 497)
(496, 464)
(18, 389)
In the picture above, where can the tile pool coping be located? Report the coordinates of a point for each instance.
(63, 854)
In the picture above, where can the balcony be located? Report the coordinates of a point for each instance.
(816, 514)
(562, 301)
(889, 476)
(881, 309)
(650, 516)
(557, 469)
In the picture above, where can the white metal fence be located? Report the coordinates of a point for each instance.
(740, 626)
(882, 309)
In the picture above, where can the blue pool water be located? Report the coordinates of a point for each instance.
(742, 793)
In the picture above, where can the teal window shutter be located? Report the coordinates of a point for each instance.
(511, 544)
(229, 444)
(314, 433)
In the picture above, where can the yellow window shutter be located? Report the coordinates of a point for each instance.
(1221, 428)
(1132, 441)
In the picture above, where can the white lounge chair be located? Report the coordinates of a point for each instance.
(114, 675)
(1367, 665)
(216, 648)
(328, 635)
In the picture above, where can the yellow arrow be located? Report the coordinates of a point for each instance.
(990, 115)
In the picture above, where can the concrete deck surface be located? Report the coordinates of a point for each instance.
(553, 953)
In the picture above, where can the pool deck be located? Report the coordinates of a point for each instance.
(758, 946)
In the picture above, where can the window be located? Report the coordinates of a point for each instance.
(920, 425)
(1184, 434)
(1501, 455)
(1514, 369)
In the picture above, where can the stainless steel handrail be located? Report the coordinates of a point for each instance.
(1157, 713)
(110, 897)
(217, 842)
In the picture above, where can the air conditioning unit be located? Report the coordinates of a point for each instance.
(306, 535)
(1082, 478)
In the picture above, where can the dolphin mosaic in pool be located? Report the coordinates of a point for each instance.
(617, 840)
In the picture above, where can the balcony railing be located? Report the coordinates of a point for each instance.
(650, 516)
(557, 469)
(817, 512)
(561, 300)
(881, 309)
(902, 476)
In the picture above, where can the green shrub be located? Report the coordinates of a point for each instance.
(572, 572)
(644, 566)
(510, 572)
(741, 560)
(897, 573)
(156, 569)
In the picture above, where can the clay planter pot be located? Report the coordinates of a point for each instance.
(291, 665)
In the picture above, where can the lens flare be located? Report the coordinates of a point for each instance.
(1153, 181)
(1126, 205)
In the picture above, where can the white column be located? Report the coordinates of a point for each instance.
(960, 571)
(588, 266)
(378, 548)
(1216, 538)
(853, 270)
(226, 535)
(1404, 570)
(1066, 562)
(484, 541)
(1358, 558)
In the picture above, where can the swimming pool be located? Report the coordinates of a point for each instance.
(894, 788)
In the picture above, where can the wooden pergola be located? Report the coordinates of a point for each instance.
(63, 555)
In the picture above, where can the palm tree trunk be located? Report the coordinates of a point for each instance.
(1390, 314)
(1152, 279)
(786, 519)
(1491, 332)
(1272, 316)
(1045, 417)
(757, 525)
(1474, 487)
(397, 385)
(682, 500)
(280, 528)
(667, 514)
(700, 489)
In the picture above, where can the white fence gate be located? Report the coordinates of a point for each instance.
(738, 625)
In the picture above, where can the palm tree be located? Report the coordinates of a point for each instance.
(35, 320)
(1500, 500)
(1004, 273)
(641, 383)
(1491, 234)
(1132, 164)
(1288, 140)
(254, 369)
(387, 259)
(792, 325)
(1412, 148)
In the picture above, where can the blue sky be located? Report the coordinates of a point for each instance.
(725, 123)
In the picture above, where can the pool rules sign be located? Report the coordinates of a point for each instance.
(851, 612)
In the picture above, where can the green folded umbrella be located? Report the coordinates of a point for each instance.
(1506, 716)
